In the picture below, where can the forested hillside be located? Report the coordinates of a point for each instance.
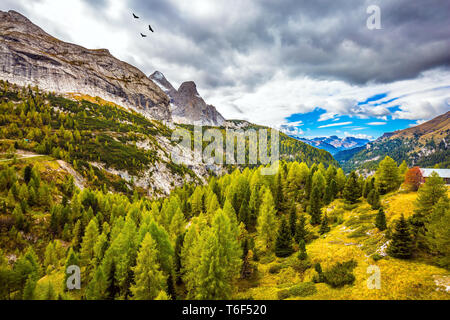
(306, 232)
(107, 145)
(290, 149)
(425, 145)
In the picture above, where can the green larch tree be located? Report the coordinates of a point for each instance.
(374, 199)
(266, 220)
(292, 218)
(430, 193)
(88, 243)
(220, 261)
(438, 233)
(29, 291)
(283, 243)
(253, 207)
(330, 192)
(387, 176)
(340, 180)
(148, 277)
(428, 196)
(97, 287)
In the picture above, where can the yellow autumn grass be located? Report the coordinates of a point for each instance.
(397, 204)
(400, 279)
(55, 278)
(96, 100)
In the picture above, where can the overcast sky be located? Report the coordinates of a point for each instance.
(311, 65)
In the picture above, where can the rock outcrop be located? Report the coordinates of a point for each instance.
(30, 56)
(187, 106)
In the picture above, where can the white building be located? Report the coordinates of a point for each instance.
(443, 173)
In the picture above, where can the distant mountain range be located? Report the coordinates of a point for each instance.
(334, 144)
(426, 145)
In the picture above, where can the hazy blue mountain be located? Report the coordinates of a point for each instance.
(334, 144)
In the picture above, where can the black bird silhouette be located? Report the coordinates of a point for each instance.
(150, 27)
(143, 35)
(135, 16)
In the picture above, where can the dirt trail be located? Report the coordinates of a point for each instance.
(21, 154)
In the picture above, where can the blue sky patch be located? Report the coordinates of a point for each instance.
(346, 125)
(374, 98)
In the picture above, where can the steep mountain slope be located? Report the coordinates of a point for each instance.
(107, 145)
(28, 55)
(111, 147)
(423, 145)
(98, 114)
(187, 105)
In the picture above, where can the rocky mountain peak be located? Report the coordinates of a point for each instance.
(12, 17)
(158, 75)
(188, 89)
(159, 78)
(187, 106)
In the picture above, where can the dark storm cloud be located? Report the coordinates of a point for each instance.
(320, 39)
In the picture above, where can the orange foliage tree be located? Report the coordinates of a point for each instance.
(413, 178)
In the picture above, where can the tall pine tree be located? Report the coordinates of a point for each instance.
(380, 220)
(149, 279)
(283, 243)
(97, 287)
(352, 190)
(401, 245)
(315, 204)
(88, 243)
(324, 227)
(300, 232)
(387, 176)
(220, 261)
(302, 254)
(266, 220)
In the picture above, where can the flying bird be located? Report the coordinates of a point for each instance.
(150, 27)
(143, 35)
(135, 16)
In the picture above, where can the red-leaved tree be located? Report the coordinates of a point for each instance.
(413, 178)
